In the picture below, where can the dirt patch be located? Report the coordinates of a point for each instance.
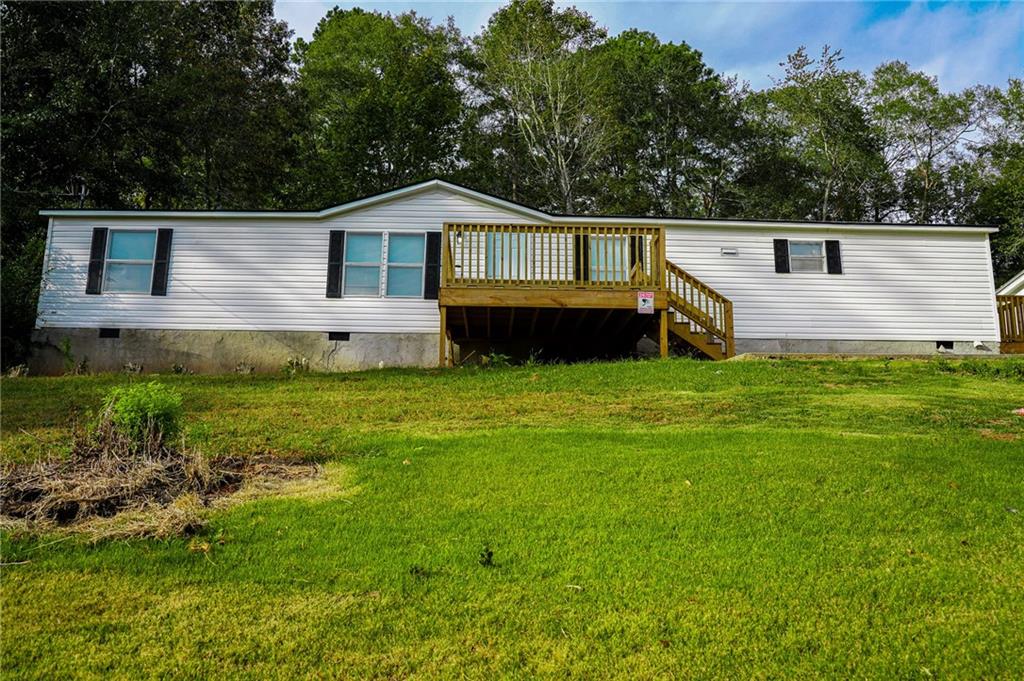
(990, 434)
(159, 493)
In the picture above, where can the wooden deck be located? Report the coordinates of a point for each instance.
(1011, 323)
(560, 285)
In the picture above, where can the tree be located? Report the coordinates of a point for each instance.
(538, 79)
(923, 130)
(819, 106)
(115, 105)
(384, 105)
(1000, 180)
(676, 129)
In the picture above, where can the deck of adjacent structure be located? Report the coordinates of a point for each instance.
(574, 288)
(1011, 323)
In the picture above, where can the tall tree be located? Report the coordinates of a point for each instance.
(677, 129)
(820, 106)
(539, 80)
(1000, 180)
(923, 130)
(384, 103)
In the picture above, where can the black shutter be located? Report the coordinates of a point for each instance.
(636, 251)
(161, 264)
(432, 270)
(581, 260)
(97, 253)
(833, 257)
(782, 256)
(335, 256)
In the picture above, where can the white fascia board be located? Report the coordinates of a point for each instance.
(838, 228)
(525, 211)
(309, 215)
(1015, 284)
(181, 214)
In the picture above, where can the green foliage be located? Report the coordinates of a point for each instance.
(538, 85)
(382, 103)
(295, 365)
(496, 360)
(677, 131)
(144, 412)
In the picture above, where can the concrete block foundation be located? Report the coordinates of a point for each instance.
(224, 351)
(859, 347)
(268, 351)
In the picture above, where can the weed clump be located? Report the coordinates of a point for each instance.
(140, 417)
(127, 477)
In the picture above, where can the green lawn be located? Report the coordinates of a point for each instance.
(647, 519)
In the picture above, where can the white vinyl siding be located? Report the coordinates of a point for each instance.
(913, 286)
(251, 273)
(269, 273)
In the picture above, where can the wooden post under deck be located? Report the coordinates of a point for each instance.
(663, 334)
(442, 343)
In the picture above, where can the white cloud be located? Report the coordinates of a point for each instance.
(959, 43)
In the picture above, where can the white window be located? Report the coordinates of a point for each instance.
(807, 256)
(609, 258)
(368, 271)
(363, 259)
(406, 253)
(129, 261)
(508, 255)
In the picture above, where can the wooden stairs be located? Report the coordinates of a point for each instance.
(698, 316)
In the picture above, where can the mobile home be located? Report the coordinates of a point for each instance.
(432, 273)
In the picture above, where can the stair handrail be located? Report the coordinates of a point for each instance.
(701, 304)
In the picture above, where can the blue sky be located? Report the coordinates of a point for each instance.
(962, 43)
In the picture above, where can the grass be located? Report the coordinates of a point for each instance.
(647, 519)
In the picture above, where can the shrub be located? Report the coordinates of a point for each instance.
(295, 365)
(144, 413)
(496, 360)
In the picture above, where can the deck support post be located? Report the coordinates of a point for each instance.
(442, 343)
(663, 334)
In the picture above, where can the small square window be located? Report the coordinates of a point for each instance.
(338, 335)
(807, 256)
(110, 333)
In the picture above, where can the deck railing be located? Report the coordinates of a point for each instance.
(552, 256)
(701, 304)
(1011, 318)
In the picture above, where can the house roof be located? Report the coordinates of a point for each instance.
(511, 206)
(1014, 287)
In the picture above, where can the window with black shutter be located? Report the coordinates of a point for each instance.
(834, 257)
(782, 256)
(97, 255)
(432, 271)
(162, 262)
(335, 257)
